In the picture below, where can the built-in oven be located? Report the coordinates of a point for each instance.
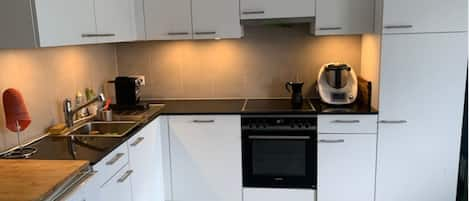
(279, 151)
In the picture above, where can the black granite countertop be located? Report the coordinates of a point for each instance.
(90, 148)
(187, 107)
(201, 107)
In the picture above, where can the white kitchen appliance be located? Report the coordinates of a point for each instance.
(337, 84)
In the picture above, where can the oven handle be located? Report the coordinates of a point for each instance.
(273, 137)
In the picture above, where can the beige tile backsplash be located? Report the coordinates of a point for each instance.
(46, 76)
(257, 65)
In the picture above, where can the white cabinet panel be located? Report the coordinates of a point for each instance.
(145, 159)
(168, 19)
(421, 107)
(216, 19)
(206, 157)
(63, 22)
(347, 124)
(279, 194)
(346, 167)
(111, 163)
(118, 187)
(265, 9)
(344, 16)
(116, 18)
(419, 16)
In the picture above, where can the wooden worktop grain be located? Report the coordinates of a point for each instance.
(35, 180)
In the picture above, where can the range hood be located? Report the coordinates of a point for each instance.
(297, 20)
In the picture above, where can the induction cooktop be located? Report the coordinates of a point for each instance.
(276, 106)
(92, 149)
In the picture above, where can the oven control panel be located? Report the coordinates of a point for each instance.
(279, 122)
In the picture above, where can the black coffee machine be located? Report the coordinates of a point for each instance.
(128, 92)
(295, 88)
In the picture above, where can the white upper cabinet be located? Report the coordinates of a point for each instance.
(268, 9)
(115, 21)
(421, 107)
(47, 23)
(339, 17)
(168, 19)
(206, 157)
(422, 16)
(192, 19)
(216, 19)
(65, 22)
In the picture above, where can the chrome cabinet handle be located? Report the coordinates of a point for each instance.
(204, 121)
(115, 159)
(330, 28)
(275, 137)
(206, 33)
(392, 122)
(253, 12)
(97, 35)
(178, 33)
(125, 176)
(137, 141)
(346, 121)
(407, 26)
(332, 141)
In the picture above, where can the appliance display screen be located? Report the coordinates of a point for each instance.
(338, 96)
(279, 157)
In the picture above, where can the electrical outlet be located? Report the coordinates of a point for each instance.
(141, 77)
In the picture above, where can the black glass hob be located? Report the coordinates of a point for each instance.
(92, 149)
(277, 106)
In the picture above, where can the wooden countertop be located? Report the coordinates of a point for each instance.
(35, 180)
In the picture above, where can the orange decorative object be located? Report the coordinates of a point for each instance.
(15, 110)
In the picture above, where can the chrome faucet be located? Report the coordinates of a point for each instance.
(69, 113)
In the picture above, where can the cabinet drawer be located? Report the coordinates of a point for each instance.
(112, 163)
(347, 123)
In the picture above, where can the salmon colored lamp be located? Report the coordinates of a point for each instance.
(17, 120)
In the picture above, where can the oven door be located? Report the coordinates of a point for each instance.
(279, 159)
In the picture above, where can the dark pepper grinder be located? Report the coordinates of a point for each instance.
(296, 95)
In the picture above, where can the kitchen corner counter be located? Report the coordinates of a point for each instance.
(36, 180)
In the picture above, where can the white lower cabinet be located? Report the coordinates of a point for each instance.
(145, 158)
(118, 187)
(278, 194)
(206, 157)
(346, 167)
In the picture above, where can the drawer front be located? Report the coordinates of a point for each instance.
(347, 124)
(112, 163)
(272, 194)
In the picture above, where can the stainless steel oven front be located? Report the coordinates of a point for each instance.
(279, 151)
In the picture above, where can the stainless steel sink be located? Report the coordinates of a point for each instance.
(104, 129)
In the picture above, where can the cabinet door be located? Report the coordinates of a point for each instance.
(168, 19)
(422, 16)
(215, 19)
(346, 167)
(115, 20)
(344, 16)
(63, 22)
(421, 108)
(206, 158)
(265, 9)
(146, 161)
(118, 187)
